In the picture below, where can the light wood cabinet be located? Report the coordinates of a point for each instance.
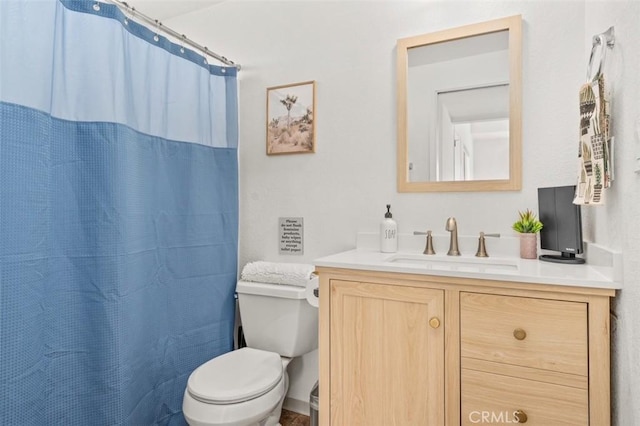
(387, 354)
(524, 359)
(408, 349)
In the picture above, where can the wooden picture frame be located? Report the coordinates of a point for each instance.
(291, 123)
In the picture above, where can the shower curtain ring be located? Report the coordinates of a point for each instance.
(206, 52)
(182, 43)
(131, 11)
(96, 6)
(158, 25)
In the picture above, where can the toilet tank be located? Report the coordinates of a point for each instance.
(277, 318)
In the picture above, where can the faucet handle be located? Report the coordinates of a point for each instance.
(482, 249)
(429, 247)
(495, 235)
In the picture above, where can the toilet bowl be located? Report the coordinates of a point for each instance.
(239, 388)
(247, 387)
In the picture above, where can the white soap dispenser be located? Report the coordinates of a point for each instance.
(388, 233)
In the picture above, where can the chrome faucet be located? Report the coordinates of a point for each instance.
(452, 227)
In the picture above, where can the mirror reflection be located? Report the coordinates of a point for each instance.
(458, 108)
(449, 86)
(472, 135)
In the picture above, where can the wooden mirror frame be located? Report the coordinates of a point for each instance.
(511, 24)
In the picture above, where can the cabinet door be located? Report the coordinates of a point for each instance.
(387, 355)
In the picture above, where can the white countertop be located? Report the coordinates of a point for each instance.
(603, 272)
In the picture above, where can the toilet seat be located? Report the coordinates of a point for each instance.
(237, 390)
(236, 377)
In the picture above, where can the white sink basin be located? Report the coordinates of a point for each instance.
(455, 263)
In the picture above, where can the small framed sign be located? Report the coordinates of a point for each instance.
(291, 124)
(291, 232)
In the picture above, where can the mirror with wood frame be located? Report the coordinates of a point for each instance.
(459, 108)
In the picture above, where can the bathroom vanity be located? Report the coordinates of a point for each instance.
(409, 339)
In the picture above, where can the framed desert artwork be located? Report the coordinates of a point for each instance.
(291, 124)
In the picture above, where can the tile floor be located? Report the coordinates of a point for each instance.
(289, 418)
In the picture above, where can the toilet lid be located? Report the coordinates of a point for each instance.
(236, 376)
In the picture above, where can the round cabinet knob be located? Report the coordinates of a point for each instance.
(519, 334)
(434, 322)
(520, 416)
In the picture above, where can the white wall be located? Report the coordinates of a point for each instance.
(349, 49)
(447, 150)
(617, 224)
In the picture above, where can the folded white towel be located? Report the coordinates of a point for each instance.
(297, 274)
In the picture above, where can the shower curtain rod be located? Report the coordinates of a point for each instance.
(132, 13)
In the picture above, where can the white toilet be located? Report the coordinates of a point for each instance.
(247, 387)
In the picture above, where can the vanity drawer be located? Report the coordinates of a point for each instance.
(537, 333)
(495, 399)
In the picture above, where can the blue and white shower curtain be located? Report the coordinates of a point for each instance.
(118, 216)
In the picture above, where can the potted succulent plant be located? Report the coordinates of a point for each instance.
(528, 227)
